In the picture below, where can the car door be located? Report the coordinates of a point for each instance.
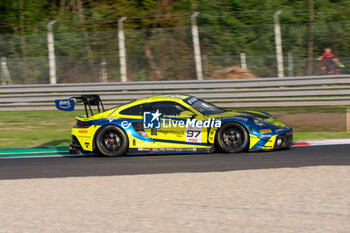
(174, 124)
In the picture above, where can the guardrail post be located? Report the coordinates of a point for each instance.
(51, 48)
(278, 42)
(122, 54)
(196, 46)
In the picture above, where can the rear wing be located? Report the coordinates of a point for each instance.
(88, 100)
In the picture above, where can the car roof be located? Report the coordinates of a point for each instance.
(164, 97)
(171, 97)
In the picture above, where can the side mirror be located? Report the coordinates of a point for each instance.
(187, 114)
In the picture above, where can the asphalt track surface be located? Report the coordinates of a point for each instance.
(156, 164)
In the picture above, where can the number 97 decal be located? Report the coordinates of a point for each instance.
(194, 135)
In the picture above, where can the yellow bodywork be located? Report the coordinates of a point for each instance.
(85, 136)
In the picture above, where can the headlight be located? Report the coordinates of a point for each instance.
(258, 122)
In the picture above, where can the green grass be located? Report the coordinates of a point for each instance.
(303, 136)
(52, 128)
(325, 109)
(35, 128)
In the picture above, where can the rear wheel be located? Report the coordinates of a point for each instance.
(232, 138)
(112, 141)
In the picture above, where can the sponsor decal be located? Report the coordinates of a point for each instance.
(174, 149)
(191, 100)
(191, 123)
(151, 120)
(65, 105)
(265, 131)
(173, 132)
(125, 124)
(144, 149)
(241, 119)
(167, 149)
(154, 132)
(83, 131)
(279, 130)
(193, 134)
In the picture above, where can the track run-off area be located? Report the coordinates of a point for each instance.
(58, 163)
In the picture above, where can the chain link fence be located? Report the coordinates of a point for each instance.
(160, 54)
(167, 53)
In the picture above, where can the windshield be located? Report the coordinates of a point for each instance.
(202, 106)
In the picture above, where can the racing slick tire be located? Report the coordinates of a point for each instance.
(232, 137)
(112, 141)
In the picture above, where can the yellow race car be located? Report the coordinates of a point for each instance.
(171, 124)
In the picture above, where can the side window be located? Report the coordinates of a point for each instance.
(136, 110)
(168, 108)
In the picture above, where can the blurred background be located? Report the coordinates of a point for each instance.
(241, 55)
(87, 44)
(236, 38)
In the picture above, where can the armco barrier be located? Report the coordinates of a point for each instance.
(264, 92)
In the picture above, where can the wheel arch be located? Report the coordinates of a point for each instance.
(245, 126)
(233, 121)
(94, 145)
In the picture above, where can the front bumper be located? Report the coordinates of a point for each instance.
(284, 140)
(278, 139)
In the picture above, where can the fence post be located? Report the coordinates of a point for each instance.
(196, 46)
(51, 48)
(3, 76)
(205, 66)
(310, 53)
(290, 65)
(122, 55)
(243, 61)
(278, 42)
(103, 74)
(6, 78)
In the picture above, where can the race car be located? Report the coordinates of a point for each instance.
(166, 124)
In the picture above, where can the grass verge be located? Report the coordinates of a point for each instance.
(52, 128)
(35, 128)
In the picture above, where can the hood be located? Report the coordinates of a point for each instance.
(262, 116)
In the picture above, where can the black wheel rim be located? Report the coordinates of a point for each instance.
(112, 140)
(233, 137)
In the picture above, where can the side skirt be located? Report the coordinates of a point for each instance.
(137, 151)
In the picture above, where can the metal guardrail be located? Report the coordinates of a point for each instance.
(262, 92)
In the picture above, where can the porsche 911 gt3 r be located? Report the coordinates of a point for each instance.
(172, 124)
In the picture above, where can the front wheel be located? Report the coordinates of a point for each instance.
(232, 138)
(112, 141)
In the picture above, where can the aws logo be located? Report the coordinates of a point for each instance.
(65, 105)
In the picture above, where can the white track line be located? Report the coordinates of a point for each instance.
(323, 142)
